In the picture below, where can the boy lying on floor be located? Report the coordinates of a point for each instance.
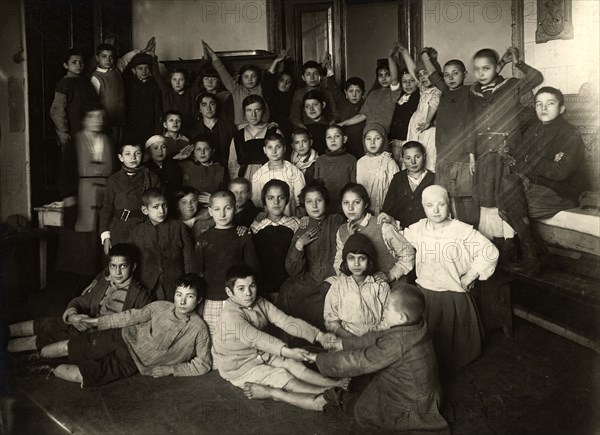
(259, 363)
(161, 339)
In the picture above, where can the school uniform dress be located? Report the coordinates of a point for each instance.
(395, 256)
(443, 256)
(100, 298)
(166, 253)
(403, 199)
(356, 308)
(404, 394)
(139, 340)
(246, 153)
(375, 173)
(272, 241)
(336, 169)
(288, 173)
(300, 295)
(428, 98)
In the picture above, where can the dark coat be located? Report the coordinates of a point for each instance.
(144, 110)
(402, 203)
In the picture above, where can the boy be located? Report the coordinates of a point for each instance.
(121, 209)
(112, 291)
(217, 128)
(336, 168)
(143, 100)
(73, 93)
(167, 169)
(264, 366)
(451, 122)
(245, 210)
(494, 111)
(218, 249)
(311, 76)
(316, 122)
(303, 155)
(354, 91)
(279, 169)
(161, 339)
(404, 393)
(175, 141)
(545, 178)
(166, 249)
(200, 171)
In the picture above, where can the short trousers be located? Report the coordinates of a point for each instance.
(50, 330)
(275, 371)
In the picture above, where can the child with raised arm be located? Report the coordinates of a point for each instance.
(166, 248)
(450, 256)
(377, 167)
(303, 155)
(278, 169)
(421, 127)
(121, 209)
(247, 84)
(494, 104)
(113, 290)
(264, 366)
(278, 90)
(355, 300)
(161, 339)
(336, 167)
(403, 395)
(451, 122)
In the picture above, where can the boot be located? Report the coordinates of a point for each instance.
(508, 253)
(530, 262)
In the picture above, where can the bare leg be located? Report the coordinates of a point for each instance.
(306, 401)
(56, 350)
(21, 329)
(68, 372)
(22, 344)
(314, 378)
(299, 386)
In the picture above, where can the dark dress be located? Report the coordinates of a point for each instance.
(402, 203)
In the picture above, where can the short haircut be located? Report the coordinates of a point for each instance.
(487, 53)
(72, 52)
(311, 64)
(456, 62)
(222, 194)
(315, 186)
(300, 130)
(554, 91)
(179, 71)
(203, 138)
(172, 112)
(237, 271)
(371, 269)
(409, 300)
(243, 181)
(433, 189)
(251, 99)
(152, 193)
(210, 72)
(285, 188)
(137, 145)
(413, 144)
(314, 95)
(125, 250)
(357, 189)
(205, 94)
(104, 47)
(194, 282)
(185, 191)
(249, 67)
(275, 137)
(334, 127)
(355, 81)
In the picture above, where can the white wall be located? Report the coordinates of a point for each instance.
(14, 134)
(457, 29)
(566, 64)
(180, 25)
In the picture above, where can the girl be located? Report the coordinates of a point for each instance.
(420, 127)
(273, 235)
(354, 303)
(201, 172)
(278, 91)
(191, 214)
(247, 84)
(209, 82)
(403, 111)
(310, 257)
(461, 256)
(395, 256)
(303, 155)
(377, 167)
(246, 153)
(403, 199)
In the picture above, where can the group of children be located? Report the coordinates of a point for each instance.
(340, 224)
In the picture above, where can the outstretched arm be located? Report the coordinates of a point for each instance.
(226, 78)
(408, 60)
